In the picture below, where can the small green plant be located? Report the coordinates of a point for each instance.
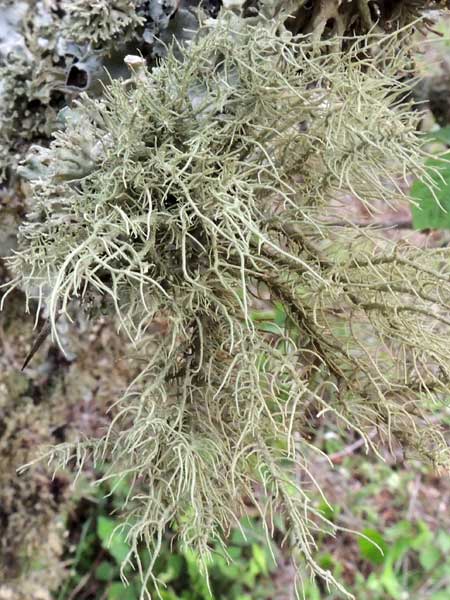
(414, 563)
(431, 202)
(238, 571)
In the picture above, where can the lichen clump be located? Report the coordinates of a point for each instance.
(50, 52)
(100, 21)
(183, 196)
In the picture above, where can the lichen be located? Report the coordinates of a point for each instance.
(100, 21)
(48, 56)
(181, 194)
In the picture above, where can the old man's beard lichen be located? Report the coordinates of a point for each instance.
(200, 184)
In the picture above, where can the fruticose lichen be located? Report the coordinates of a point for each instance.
(51, 51)
(188, 192)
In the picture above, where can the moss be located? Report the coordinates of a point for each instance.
(51, 401)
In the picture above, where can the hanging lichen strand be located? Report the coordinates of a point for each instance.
(185, 192)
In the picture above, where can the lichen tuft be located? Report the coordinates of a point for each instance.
(182, 194)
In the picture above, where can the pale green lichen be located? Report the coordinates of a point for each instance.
(50, 52)
(99, 21)
(198, 184)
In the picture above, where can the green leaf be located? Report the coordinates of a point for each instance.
(197, 579)
(443, 595)
(372, 583)
(441, 135)
(262, 315)
(328, 511)
(105, 571)
(168, 595)
(119, 591)
(280, 314)
(259, 557)
(372, 547)
(235, 552)
(443, 541)
(432, 209)
(326, 561)
(112, 539)
(269, 327)
(391, 583)
(173, 569)
(250, 532)
(228, 570)
(398, 549)
(429, 557)
(311, 590)
(400, 529)
(423, 539)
